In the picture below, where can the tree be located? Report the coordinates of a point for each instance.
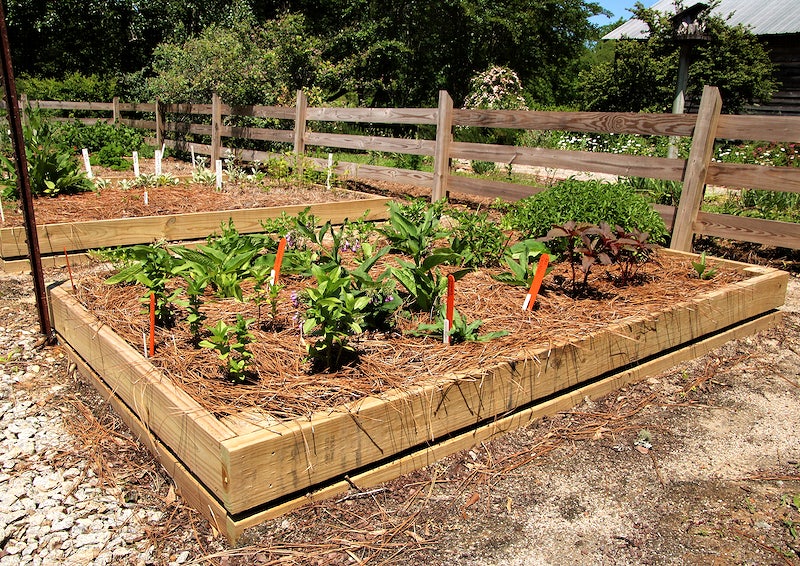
(642, 76)
(244, 63)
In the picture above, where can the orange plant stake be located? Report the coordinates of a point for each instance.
(276, 270)
(152, 345)
(69, 268)
(448, 320)
(530, 298)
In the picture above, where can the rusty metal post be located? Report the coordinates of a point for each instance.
(21, 161)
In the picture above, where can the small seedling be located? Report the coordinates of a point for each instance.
(231, 343)
(703, 270)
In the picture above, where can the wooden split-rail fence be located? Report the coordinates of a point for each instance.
(171, 126)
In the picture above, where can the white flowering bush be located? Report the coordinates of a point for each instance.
(496, 88)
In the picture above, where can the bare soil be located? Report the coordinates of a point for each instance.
(717, 486)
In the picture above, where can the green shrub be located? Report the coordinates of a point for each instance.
(585, 201)
(52, 168)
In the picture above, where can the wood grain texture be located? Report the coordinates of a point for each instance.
(696, 169)
(742, 175)
(371, 143)
(745, 229)
(375, 428)
(615, 164)
(78, 236)
(374, 115)
(760, 128)
(596, 122)
(191, 432)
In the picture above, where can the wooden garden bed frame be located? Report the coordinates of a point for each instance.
(77, 237)
(241, 470)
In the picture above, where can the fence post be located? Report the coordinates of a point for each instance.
(441, 154)
(115, 113)
(216, 130)
(23, 108)
(694, 179)
(159, 124)
(300, 131)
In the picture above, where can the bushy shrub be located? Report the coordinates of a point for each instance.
(585, 201)
(52, 168)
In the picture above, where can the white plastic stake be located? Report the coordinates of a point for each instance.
(330, 169)
(135, 163)
(191, 148)
(146, 198)
(2, 213)
(446, 332)
(158, 162)
(526, 302)
(86, 162)
(219, 173)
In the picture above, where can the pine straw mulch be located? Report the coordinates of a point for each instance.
(182, 198)
(286, 386)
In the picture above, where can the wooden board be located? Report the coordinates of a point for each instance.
(248, 469)
(196, 495)
(78, 236)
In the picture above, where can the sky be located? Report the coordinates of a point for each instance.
(618, 8)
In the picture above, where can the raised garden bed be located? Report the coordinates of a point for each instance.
(241, 464)
(115, 216)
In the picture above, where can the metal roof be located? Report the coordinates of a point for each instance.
(762, 17)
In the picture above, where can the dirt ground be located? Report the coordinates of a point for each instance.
(719, 484)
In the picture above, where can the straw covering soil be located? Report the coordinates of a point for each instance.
(285, 385)
(181, 198)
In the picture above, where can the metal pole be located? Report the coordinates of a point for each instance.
(21, 161)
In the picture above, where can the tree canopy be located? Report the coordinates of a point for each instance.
(642, 74)
(380, 53)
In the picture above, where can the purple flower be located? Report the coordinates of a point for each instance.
(388, 299)
(295, 300)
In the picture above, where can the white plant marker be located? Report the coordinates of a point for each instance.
(158, 162)
(526, 302)
(330, 170)
(146, 198)
(86, 162)
(219, 173)
(446, 332)
(191, 148)
(135, 163)
(2, 212)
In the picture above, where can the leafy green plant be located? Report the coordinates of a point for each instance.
(461, 331)
(585, 202)
(413, 236)
(522, 259)
(52, 168)
(703, 270)
(479, 241)
(334, 313)
(151, 266)
(231, 343)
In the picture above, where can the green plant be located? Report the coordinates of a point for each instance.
(585, 202)
(334, 313)
(479, 241)
(482, 167)
(151, 266)
(231, 343)
(412, 236)
(461, 331)
(522, 260)
(52, 168)
(702, 269)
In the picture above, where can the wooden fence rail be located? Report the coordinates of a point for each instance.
(218, 121)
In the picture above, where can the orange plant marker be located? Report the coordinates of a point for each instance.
(450, 306)
(152, 345)
(276, 270)
(69, 268)
(530, 298)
